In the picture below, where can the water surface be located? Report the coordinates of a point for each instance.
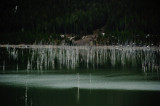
(79, 76)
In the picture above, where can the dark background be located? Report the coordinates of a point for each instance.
(35, 20)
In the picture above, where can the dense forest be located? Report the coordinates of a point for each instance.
(27, 21)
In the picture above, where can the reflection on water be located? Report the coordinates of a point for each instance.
(66, 97)
(72, 57)
(79, 76)
(80, 89)
(26, 97)
(3, 66)
(84, 81)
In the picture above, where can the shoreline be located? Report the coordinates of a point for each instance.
(23, 46)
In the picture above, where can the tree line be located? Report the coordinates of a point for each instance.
(37, 19)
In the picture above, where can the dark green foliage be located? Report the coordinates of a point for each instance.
(36, 19)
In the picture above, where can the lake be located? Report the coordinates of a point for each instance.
(46, 75)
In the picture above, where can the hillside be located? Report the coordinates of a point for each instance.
(27, 21)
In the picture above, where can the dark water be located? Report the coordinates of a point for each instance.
(80, 76)
(83, 89)
(16, 96)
